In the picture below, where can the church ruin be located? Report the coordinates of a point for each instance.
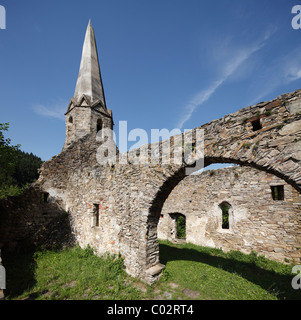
(117, 208)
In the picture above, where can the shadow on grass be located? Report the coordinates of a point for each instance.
(20, 267)
(20, 264)
(268, 280)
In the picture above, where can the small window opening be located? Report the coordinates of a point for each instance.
(256, 124)
(70, 120)
(44, 197)
(277, 192)
(96, 214)
(99, 125)
(181, 227)
(225, 206)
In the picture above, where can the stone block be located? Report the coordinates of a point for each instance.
(155, 269)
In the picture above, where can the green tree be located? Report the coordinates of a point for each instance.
(17, 168)
(7, 159)
(26, 170)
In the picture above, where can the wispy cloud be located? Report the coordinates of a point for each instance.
(283, 71)
(238, 57)
(293, 72)
(55, 110)
(196, 101)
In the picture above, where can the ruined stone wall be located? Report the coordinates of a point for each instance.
(130, 196)
(78, 183)
(119, 220)
(257, 222)
(23, 218)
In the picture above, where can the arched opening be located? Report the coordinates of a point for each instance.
(225, 208)
(70, 119)
(224, 213)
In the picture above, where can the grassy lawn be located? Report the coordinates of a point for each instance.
(192, 272)
(227, 276)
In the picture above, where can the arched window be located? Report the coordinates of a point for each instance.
(99, 125)
(225, 207)
(70, 120)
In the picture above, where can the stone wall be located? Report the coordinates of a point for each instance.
(25, 219)
(256, 221)
(129, 197)
(82, 120)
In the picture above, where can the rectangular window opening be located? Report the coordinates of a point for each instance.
(44, 197)
(277, 192)
(256, 124)
(96, 214)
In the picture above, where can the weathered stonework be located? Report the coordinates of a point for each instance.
(116, 207)
(24, 218)
(131, 196)
(256, 222)
(84, 118)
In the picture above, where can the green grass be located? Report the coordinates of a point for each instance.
(227, 276)
(71, 273)
(192, 272)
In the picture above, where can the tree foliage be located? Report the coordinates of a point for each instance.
(17, 168)
(7, 152)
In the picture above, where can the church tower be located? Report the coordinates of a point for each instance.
(87, 112)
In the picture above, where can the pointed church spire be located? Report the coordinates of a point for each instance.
(89, 81)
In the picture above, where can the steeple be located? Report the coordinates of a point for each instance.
(87, 113)
(89, 82)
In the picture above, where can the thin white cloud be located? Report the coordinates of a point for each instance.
(229, 68)
(294, 73)
(54, 110)
(281, 72)
(196, 101)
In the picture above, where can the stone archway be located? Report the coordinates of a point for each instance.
(166, 188)
(266, 136)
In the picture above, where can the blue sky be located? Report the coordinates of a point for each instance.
(164, 63)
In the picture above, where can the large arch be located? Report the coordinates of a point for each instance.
(250, 137)
(152, 256)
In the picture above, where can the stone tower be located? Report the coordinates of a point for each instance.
(87, 112)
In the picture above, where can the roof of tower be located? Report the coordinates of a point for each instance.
(89, 82)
